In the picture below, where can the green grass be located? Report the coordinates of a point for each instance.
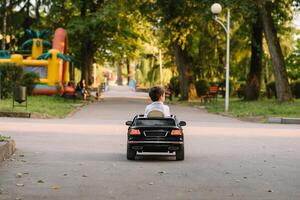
(43, 106)
(261, 109)
(4, 138)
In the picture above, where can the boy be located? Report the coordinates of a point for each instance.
(157, 95)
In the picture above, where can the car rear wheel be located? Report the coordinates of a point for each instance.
(180, 154)
(131, 154)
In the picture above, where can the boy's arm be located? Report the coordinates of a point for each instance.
(146, 111)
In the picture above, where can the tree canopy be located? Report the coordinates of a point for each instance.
(127, 32)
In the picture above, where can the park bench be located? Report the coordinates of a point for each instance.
(212, 94)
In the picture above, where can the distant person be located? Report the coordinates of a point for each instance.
(157, 95)
(132, 84)
(81, 87)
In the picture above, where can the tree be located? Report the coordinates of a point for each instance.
(281, 80)
(252, 89)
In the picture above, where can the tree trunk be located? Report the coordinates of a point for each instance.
(187, 86)
(88, 51)
(4, 27)
(282, 85)
(128, 70)
(252, 89)
(119, 74)
(37, 9)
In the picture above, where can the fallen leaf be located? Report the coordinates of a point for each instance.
(19, 175)
(55, 187)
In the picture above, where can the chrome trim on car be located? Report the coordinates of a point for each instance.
(154, 142)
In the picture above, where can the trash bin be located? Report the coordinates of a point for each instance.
(20, 94)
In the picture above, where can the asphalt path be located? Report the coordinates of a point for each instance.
(84, 157)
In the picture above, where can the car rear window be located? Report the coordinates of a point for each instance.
(155, 122)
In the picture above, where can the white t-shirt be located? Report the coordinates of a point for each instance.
(157, 105)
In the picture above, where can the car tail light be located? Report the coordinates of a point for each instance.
(176, 132)
(134, 132)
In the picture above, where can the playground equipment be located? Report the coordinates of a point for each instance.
(52, 66)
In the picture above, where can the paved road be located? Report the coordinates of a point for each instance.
(83, 157)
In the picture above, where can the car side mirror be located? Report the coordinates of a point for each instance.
(128, 123)
(182, 123)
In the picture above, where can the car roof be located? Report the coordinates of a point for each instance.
(173, 117)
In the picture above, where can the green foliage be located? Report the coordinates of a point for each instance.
(44, 106)
(174, 82)
(113, 31)
(271, 89)
(260, 109)
(241, 90)
(28, 80)
(201, 87)
(293, 63)
(11, 76)
(4, 138)
(295, 86)
(222, 86)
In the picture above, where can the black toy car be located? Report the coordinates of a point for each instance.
(155, 134)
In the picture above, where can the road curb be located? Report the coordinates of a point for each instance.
(7, 148)
(16, 114)
(284, 120)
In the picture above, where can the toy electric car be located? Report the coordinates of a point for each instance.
(155, 134)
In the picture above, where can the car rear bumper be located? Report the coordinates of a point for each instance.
(155, 146)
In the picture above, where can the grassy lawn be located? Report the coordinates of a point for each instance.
(259, 110)
(4, 138)
(43, 106)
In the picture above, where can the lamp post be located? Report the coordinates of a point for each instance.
(216, 9)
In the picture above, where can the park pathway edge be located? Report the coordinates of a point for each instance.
(7, 148)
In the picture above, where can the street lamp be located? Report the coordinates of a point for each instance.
(216, 9)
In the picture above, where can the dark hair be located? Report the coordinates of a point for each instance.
(156, 92)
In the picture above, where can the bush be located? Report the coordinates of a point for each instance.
(201, 87)
(174, 82)
(271, 90)
(222, 86)
(241, 91)
(295, 86)
(13, 75)
(28, 80)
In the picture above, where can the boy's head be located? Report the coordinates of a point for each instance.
(157, 93)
